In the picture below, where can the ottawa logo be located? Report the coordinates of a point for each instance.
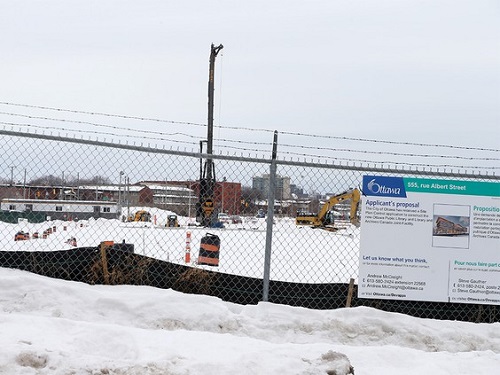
(383, 186)
(376, 188)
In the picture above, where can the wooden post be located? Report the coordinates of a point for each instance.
(349, 293)
(104, 258)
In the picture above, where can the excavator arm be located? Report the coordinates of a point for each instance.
(323, 219)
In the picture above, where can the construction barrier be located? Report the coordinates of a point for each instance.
(125, 247)
(209, 250)
(21, 236)
(187, 258)
(71, 241)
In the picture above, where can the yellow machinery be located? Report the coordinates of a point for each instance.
(324, 219)
(140, 215)
(172, 221)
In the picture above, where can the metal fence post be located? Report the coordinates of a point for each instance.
(270, 219)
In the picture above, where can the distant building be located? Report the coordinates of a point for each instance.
(297, 192)
(125, 194)
(282, 191)
(177, 196)
(182, 196)
(179, 199)
(39, 210)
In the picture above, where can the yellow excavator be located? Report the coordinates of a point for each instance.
(324, 219)
(140, 215)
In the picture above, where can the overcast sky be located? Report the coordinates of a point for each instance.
(422, 71)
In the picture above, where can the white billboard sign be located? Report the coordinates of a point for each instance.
(430, 240)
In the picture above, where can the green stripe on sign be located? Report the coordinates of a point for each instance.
(427, 185)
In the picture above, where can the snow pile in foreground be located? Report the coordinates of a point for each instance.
(58, 327)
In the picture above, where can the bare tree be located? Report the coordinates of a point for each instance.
(96, 180)
(51, 180)
(249, 196)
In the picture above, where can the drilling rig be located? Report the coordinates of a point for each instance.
(205, 206)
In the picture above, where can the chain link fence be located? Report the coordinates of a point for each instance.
(105, 213)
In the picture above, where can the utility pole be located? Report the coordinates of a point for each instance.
(127, 182)
(78, 186)
(24, 184)
(12, 172)
(61, 192)
(120, 190)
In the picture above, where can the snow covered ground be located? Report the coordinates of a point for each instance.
(58, 327)
(299, 254)
(51, 326)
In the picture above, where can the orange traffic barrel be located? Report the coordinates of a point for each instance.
(21, 236)
(209, 250)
